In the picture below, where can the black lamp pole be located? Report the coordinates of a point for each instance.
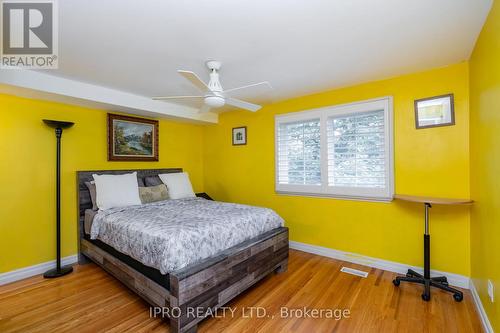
(58, 126)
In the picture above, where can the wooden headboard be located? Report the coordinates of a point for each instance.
(84, 201)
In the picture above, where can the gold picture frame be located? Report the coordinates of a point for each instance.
(132, 138)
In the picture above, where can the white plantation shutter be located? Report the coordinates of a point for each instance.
(299, 153)
(340, 151)
(356, 150)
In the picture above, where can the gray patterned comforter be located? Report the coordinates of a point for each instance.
(172, 234)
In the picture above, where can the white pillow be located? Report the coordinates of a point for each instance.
(178, 185)
(116, 190)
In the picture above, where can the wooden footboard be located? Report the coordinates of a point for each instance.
(212, 284)
(197, 289)
(149, 290)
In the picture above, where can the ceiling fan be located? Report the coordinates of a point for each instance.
(213, 95)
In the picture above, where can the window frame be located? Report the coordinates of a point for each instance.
(325, 190)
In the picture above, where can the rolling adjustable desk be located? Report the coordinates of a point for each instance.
(411, 276)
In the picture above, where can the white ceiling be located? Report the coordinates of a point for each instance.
(299, 46)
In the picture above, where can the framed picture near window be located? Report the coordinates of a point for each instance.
(239, 136)
(434, 111)
(132, 138)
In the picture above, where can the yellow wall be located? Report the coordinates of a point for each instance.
(427, 162)
(27, 172)
(485, 163)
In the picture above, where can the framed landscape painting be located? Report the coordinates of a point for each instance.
(132, 138)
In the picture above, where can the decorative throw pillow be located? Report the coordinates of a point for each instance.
(116, 190)
(140, 182)
(152, 181)
(91, 187)
(153, 193)
(178, 185)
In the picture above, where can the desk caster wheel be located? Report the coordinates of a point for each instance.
(458, 297)
(426, 297)
(396, 282)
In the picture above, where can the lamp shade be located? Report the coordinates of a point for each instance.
(58, 124)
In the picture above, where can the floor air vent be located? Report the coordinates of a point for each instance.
(354, 271)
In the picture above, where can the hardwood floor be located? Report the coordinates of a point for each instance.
(90, 300)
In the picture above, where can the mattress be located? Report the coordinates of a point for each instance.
(172, 234)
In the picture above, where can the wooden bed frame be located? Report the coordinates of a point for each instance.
(202, 287)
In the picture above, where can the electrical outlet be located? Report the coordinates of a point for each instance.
(491, 291)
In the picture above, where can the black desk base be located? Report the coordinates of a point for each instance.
(439, 282)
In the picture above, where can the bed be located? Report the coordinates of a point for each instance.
(221, 249)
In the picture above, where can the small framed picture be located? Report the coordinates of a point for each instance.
(434, 111)
(239, 136)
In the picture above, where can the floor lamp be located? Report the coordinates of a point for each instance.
(58, 126)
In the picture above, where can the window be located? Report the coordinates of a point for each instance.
(340, 151)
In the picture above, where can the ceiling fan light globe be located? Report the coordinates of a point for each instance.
(214, 101)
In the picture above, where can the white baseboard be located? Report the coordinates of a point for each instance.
(29, 271)
(391, 266)
(480, 309)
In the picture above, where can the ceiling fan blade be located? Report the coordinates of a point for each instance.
(263, 84)
(242, 104)
(194, 79)
(160, 98)
(205, 108)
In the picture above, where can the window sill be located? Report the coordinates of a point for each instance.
(335, 196)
